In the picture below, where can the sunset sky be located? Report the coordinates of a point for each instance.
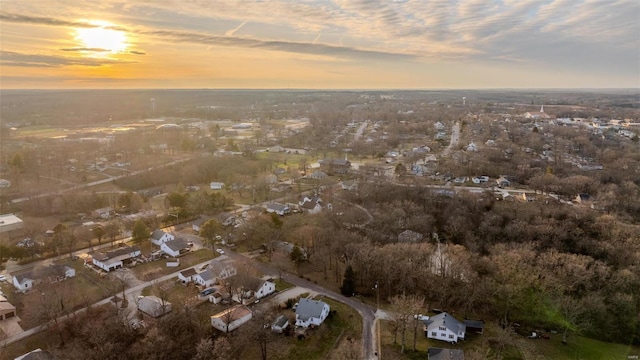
(361, 44)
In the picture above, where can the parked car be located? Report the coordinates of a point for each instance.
(220, 251)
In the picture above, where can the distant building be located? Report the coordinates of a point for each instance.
(7, 310)
(216, 185)
(444, 327)
(11, 226)
(409, 236)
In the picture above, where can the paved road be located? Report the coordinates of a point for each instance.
(369, 342)
(130, 291)
(455, 138)
(98, 182)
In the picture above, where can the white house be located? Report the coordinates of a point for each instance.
(444, 327)
(175, 247)
(311, 312)
(254, 289)
(103, 213)
(186, 276)
(318, 175)
(159, 236)
(231, 318)
(278, 209)
(281, 323)
(215, 185)
(24, 280)
(114, 259)
(311, 205)
(205, 278)
(222, 267)
(349, 185)
(154, 306)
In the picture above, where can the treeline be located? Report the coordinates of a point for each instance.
(539, 264)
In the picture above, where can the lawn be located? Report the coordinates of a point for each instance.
(321, 342)
(579, 347)
(158, 268)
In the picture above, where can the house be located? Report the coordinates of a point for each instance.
(154, 306)
(349, 185)
(318, 175)
(24, 280)
(11, 226)
(275, 149)
(113, 259)
(4, 183)
(205, 278)
(159, 237)
(186, 276)
(311, 205)
(175, 247)
(254, 289)
(311, 312)
(223, 267)
(280, 324)
(231, 318)
(278, 209)
(503, 182)
(37, 354)
(445, 354)
(103, 213)
(197, 223)
(409, 236)
(444, 327)
(582, 198)
(339, 166)
(216, 185)
(7, 310)
(227, 219)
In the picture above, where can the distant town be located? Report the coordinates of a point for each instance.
(292, 224)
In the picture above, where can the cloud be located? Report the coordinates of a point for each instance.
(233, 31)
(12, 58)
(137, 52)
(82, 49)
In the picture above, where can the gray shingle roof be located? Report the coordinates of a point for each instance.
(308, 308)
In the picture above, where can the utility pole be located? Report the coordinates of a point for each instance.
(377, 296)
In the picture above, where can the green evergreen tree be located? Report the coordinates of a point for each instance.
(348, 287)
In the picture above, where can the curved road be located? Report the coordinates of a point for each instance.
(367, 312)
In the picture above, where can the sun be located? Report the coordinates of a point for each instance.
(102, 38)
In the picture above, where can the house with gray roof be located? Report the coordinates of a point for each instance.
(223, 267)
(280, 324)
(175, 247)
(24, 280)
(159, 237)
(444, 327)
(154, 306)
(205, 278)
(311, 312)
(113, 259)
(278, 209)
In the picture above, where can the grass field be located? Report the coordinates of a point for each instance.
(579, 347)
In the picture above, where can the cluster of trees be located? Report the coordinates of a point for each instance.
(540, 264)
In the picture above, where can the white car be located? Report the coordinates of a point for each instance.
(3, 278)
(220, 251)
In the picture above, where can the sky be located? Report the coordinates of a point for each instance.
(339, 44)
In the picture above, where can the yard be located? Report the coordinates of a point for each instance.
(152, 270)
(321, 342)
